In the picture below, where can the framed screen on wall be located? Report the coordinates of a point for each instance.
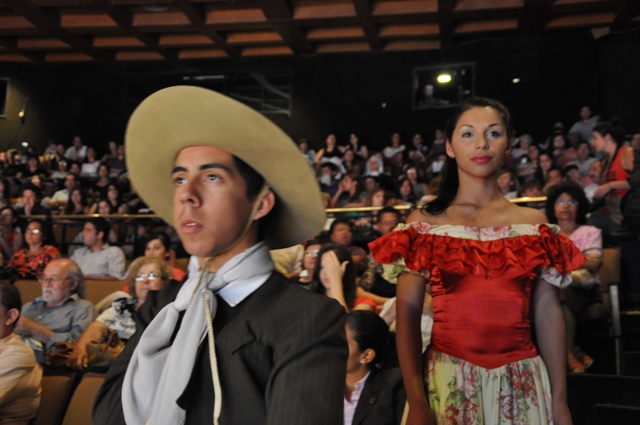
(442, 86)
(4, 86)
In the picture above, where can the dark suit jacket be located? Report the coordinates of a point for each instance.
(282, 356)
(382, 400)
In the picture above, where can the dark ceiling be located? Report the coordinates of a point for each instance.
(165, 30)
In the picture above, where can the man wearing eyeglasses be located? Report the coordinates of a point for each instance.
(61, 313)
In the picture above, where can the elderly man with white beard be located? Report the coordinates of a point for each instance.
(61, 313)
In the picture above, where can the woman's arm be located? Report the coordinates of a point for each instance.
(550, 332)
(602, 190)
(319, 156)
(409, 303)
(79, 358)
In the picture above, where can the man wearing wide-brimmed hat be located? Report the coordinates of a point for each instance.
(234, 343)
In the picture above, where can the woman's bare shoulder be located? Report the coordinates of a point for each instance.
(526, 215)
(420, 215)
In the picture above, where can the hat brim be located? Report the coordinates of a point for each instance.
(177, 117)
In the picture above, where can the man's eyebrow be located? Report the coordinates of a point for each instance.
(179, 169)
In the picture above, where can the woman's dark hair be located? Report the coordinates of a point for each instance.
(349, 277)
(412, 196)
(575, 192)
(46, 235)
(612, 128)
(6, 189)
(370, 332)
(163, 237)
(70, 207)
(104, 164)
(112, 209)
(10, 298)
(565, 140)
(449, 184)
(8, 207)
(119, 198)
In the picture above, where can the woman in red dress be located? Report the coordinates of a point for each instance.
(485, 274)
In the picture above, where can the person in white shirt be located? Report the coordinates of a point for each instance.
(98, 260)
(78, 151)
(20, 373)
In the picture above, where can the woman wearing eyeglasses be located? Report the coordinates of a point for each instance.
(145, 274)
(304, 279)
(567, 206)
(30, 261)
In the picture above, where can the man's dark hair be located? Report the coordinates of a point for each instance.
(583, 142)
(35, 189)
(390, 210)
(75, 176)
(101, 225)
(568, 168)
(341, 220)
(252, 179)
(10, 297)
(330, 165)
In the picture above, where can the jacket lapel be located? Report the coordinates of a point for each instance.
(368, 397)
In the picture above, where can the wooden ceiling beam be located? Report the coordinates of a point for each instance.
(281, 19)
(625, 16)
(11, 46)
(363, 12)
(535, 16)
(198, 18)
(445, 16)
(124, 18)
(49, 22)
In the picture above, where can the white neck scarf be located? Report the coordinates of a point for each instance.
(157, 374)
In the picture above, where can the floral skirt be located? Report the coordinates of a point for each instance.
(463, 393)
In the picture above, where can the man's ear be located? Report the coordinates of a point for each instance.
(13, 314)
(266, 205)
(449, 149)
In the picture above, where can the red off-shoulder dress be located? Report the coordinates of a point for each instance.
(481, 366)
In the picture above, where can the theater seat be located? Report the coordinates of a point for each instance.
(29, 289)
(96, 290)
(79, 410)
(55, 394)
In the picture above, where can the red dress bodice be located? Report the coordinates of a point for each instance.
(481, 289)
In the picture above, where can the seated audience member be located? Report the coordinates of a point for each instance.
(334, 275)
(32, 202)
(595, 175)
(554, 177)
(348, 193)
(328, 182)
(583, 157)
(114, 199)
(10, 234)
(531, 189)
(89, 168)
(352, 163)
(78, 151)
(100, 187)
(104, 207)
(59, 175)
(561, 151)
(309, 258)
(545, 162)
(33, 168)
(375, 166)
(159, 245)
(388, 219)
(20, 374)
(438, 146)
(118, 164)
(113, 148)
(145, 274)
(360, 149)
(5, 193)
(572, 174)
(567, 206)
(29, 262)
(404, 193)
(393, 154)
(435, 168)
(507, 183)
(373, 395)
(329, 151)
(419, 151)
(61, 197)
(521, 146)
(97, 259)
(341, 232)
(308, 153)
(77, 204)
(419, 189)
(60, 314)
